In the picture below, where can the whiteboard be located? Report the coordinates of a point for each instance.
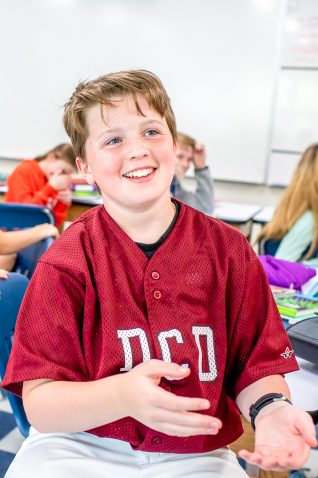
(295, 118)
(216, 59)
(296, 113)
(281, 168)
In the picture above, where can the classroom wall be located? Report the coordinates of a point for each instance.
(295, 116)
(218, 61)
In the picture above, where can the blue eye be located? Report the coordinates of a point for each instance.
(151, 132)
(113, 141)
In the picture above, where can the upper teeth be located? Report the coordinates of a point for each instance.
(139, 173)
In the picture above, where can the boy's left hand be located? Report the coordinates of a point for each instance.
(283, 437)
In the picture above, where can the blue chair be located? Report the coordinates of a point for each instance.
(20, 216)
(11, 294)
(27, 259)
(268, 246)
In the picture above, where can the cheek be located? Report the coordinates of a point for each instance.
(168, 155)
(107, 169)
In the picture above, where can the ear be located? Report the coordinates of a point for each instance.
(85, 170)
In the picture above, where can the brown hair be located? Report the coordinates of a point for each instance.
(103, 90)
(300, 196)
(185, 140)
(62, 151)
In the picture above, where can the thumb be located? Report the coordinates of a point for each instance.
(306, 428)
(158, 369)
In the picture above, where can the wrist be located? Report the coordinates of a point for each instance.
(266, 404)
(269, 409)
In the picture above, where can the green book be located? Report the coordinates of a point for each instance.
(298, 305)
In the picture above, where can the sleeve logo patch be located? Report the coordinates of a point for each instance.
(288, 353)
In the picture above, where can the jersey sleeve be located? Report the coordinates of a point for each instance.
(47, 340)
(259, 345)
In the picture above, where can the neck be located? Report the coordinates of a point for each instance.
(147, 224)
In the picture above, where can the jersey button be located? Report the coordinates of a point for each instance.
(157, 294)
(156, 440)
(155, 275)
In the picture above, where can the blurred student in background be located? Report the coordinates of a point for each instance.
(14, 241)
(191, 152)
(45, 180)
(295, 222)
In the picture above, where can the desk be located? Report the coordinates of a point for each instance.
(264, 215)
(235, 213)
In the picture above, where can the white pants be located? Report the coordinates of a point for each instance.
(81, 455)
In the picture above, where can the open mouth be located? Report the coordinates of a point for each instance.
(139, 173)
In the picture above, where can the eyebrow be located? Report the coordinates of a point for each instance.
(143, 123)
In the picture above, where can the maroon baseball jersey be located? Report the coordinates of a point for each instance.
(96, 306)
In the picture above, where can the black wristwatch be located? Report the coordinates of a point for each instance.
(263, 401)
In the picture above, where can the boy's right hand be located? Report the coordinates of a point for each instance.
(60, 181)
(143, 399)
(199, 156)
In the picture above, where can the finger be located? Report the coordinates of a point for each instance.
(251, 457)
(306, 428)
(184, 431)
(189, 419)
(4, 274)
(159, 368)
(170, 401)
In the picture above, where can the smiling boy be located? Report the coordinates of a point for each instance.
(157, 324)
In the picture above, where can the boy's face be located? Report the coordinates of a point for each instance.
(184, 156)
(130, 157)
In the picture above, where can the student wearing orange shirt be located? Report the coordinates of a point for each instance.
(45, 180)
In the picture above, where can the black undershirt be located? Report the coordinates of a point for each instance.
(150, 249)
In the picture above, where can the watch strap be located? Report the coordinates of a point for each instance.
(263, 401)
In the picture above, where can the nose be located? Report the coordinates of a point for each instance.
(136, 150)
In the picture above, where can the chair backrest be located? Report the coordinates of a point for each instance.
(11, 294)
(270, 246)
(20, 216)
(14, 216)
(27, 259)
